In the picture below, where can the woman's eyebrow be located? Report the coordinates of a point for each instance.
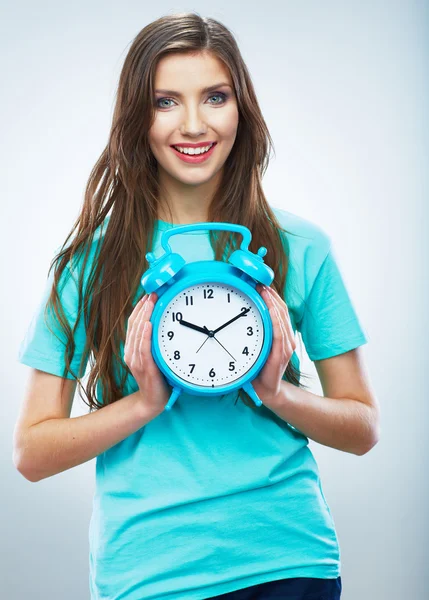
(207, 89)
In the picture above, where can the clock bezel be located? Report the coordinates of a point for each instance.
(202, 272)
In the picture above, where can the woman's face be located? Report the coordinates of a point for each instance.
(188, 115)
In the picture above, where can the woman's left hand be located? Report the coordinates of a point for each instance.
(268, 383)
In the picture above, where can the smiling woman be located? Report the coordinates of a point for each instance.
(213, 496)
(200, 114)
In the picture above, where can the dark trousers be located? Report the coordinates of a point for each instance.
(296, 588)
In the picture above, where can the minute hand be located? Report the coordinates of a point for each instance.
(242, 314)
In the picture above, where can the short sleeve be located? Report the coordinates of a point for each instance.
(330, 325)
(42, 349)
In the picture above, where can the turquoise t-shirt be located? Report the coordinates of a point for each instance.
(213, 496)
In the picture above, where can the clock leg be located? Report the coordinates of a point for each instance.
(174, 395)
(248, 387)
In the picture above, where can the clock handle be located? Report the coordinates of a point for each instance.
(173, 397)
(217, 225)
(245, 260)
(248, 387)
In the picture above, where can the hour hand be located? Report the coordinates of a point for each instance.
(193, 326)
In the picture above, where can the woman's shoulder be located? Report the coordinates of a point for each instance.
(90, 250)
(306, 239)
(308, 245)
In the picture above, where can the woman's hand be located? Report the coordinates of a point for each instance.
(153, 386)
(268, 383)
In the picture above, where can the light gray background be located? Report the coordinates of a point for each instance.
(344, 89)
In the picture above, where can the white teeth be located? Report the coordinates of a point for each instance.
(194, 150)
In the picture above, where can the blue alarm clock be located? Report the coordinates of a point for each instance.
(211, 329)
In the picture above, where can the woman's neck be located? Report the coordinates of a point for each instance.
(186, 203)
(182, 218)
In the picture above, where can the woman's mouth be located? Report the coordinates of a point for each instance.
(195, 158)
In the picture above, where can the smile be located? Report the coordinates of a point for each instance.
(194, 157)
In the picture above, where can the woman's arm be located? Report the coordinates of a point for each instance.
(347, 417)
(58, 444)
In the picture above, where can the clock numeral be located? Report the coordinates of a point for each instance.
(249, 331)
(246, 350)
(170, 334)
(189, 300)
(176, 354)
(177, 316)
(212, 373)
(229, 297)
(193, 367)
(244, 309)
(231, 366)
(208, 293)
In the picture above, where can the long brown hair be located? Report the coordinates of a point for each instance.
(122, 191)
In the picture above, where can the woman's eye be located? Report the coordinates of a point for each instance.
(220, 95)
(162, 100)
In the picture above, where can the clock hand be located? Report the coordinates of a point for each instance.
(211, 334)
(203, 344)
(242, 314)
(192, 326)
(223, 347)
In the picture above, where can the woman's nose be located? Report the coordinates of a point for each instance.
(193, 122)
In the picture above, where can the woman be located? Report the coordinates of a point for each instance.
(211, 499)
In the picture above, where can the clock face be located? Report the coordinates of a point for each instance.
(199, 357)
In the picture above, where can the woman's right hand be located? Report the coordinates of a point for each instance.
(153, 386)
